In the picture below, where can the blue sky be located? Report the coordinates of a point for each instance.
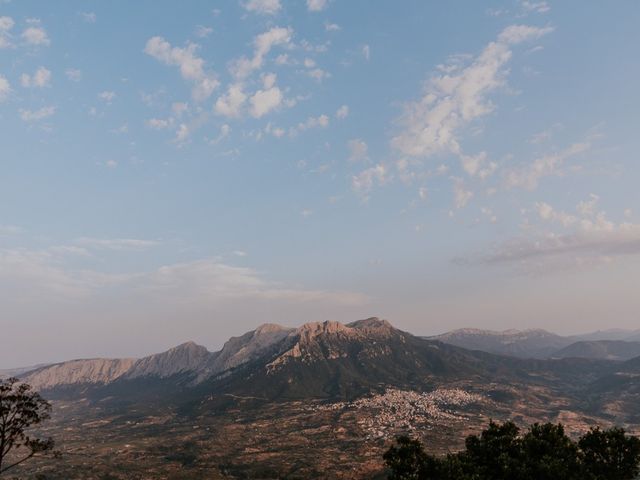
(189, 171)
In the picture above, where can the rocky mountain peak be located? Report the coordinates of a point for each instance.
(372, 325)
(267, 328)
(310, 330)
(239, 350)
(89, 371)
(187, 357)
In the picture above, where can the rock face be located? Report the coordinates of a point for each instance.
(240, 350)
(188, 357)
(271, 346)
(78, 372)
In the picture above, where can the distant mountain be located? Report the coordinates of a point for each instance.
(538, 343)
(635, 337)
(518, 343)
(605, 349)
(610, 334)
(79, 372)
(275, 389)
(332, 361)
(327, 360)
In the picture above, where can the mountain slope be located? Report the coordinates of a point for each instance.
(517, 343)
(79, 372)
(186, 358)
(605, 349)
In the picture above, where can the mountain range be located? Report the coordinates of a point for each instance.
(282, 402)
(331, 360)
(614, 344)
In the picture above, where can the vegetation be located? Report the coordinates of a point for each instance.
(20, 409)
(500, 452)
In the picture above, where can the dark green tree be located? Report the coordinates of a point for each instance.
(20, 409)
(549, 454)
(408, 460)
(610, 454)
(496, 453)
(544, 452)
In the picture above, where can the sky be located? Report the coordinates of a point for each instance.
(174, 171)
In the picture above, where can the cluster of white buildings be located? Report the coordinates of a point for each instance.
(404, 410)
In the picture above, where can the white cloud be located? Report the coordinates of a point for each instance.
(230, 104)
(331, 27)
(89, 17)
(36, 36)
(107, 96)
(587, 207)
(264, 101)
(458, 96)
(342, 112)
(203, 32)
(461, 195)
(6, 24)
(116, 243)
(477, 165)
(190, 65)
(179, 108)
(36, 115)
(73, 74)
(111, 163)
(263, 7)
(41, 78)
(358, 150)
(547, 213)
(535, 6)
(225, 130)
(366, 52)
(515, 34)
(45, 274)
(5, 88)
(159, 123)
(318, 74)
(316, 5)
(306, 212)
(367, 179)
(587, 238)
(263, 43)
(321, 121)
(182, 134)
(528, 176)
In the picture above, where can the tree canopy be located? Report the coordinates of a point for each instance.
(20, 409)
(502, 452)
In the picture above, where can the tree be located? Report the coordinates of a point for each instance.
(407, 461)
(496, 453)
(544, 452)
(549, 454)
(610, 454)
(20, 409)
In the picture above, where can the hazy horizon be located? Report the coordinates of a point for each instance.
(145, 350)
(174, 174)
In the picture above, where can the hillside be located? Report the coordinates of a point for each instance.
(605, 349)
